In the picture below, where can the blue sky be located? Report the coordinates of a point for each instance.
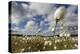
(30, 17)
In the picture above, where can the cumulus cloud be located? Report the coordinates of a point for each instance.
(31, 13)
(51, 20)
(71, 18)
(42, 8)
(31, 27)
(72, 8)
(25, 6)
(14, 19)
(18, 12)
(30, 24)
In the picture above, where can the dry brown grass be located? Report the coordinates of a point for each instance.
(32, 44)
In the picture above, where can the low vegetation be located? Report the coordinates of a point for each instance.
(34, 44)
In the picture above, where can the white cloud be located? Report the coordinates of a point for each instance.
(25, 6)
(15, 28)
(15, 19)
(15, 14)
(31, 27)
(71, 18)
(72, 8)
(50, 17)
(51, 20)
(41, 8)
(25, 11)
(19, 12)
(30, 24)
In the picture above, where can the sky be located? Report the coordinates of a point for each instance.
(31, 17)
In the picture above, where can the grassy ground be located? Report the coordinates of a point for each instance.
(33, 44)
